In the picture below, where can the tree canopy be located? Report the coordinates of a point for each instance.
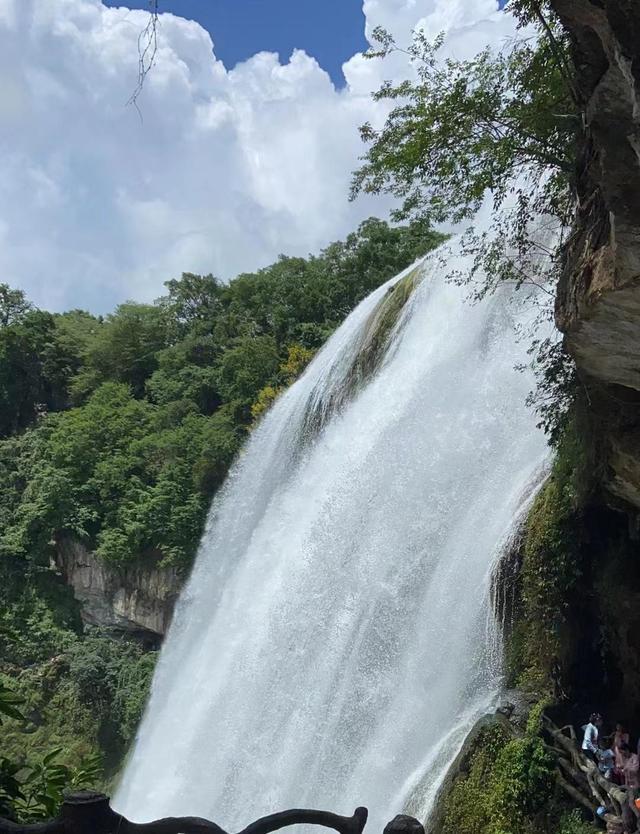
(118, 430)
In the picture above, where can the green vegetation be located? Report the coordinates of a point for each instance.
(572, 822)
(502, 121)
(550, 571)
(298, 357)
(124, 427)
(505, 122)
(78, 694)
(507, 786)
(31, 788)
(383, 321)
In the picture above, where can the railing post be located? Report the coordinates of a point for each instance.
(86, 812)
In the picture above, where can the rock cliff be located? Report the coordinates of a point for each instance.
(136, 599)
(598, 299)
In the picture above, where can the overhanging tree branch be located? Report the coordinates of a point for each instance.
(147, 50)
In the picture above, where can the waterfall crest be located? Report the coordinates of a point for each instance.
(334, 642)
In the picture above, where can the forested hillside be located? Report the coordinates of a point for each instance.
(116, 432)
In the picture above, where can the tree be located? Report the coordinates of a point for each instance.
(13, 305)
(504, 123)
(194, 300)
(501, 122)
(40, 354)
(372, 254)
(245, 368)
(124, 348)
(164, 396)
(27, 347)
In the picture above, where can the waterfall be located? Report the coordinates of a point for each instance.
(334, 642)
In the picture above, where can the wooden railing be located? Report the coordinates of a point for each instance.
(581, 780)
(90, 813)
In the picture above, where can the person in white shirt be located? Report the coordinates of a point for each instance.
(590, 738)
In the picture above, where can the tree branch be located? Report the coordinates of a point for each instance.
(563, 65)
(147, 50)
(296, 816)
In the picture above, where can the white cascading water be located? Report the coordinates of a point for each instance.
(335, 641)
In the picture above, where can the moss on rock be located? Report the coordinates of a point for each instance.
(369, 354)
(501, 783)
(540, 639)
(382, 323)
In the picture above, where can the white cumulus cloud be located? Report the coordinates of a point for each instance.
(227, 169)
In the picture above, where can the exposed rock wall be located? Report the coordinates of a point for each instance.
(598, 300)
(138, 599)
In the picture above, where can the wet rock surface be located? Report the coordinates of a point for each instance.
(598, 299)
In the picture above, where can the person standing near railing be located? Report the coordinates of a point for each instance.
(591, 734)
(620, 737)
(630, 767)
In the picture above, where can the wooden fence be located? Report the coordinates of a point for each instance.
(580, 779)
(90, 813)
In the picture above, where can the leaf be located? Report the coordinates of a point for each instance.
(50, 757)
(10, 711)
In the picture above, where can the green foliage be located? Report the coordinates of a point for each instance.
(303, 300)
(505, 122)
(524, 780)
(9, 704)
(468, 126)
(112, 679)
(42, 784)
(506, 786)
(298, 357)
(31, 788)
(468, 805)
(13, 305)
(193, 302)
(551, 569)
(555, 394)
(39, 355)
(572, 822)
(164, 395)
(124, 475)
(60, 689)
(501, 121)
(85, 703)
(25, 384)
(247, 366)
(124, 349)
(38, 614)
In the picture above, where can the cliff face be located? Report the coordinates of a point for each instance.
(598, 300)
(138, 600)
(572, 583)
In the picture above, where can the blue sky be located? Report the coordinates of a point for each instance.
(331, 31)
